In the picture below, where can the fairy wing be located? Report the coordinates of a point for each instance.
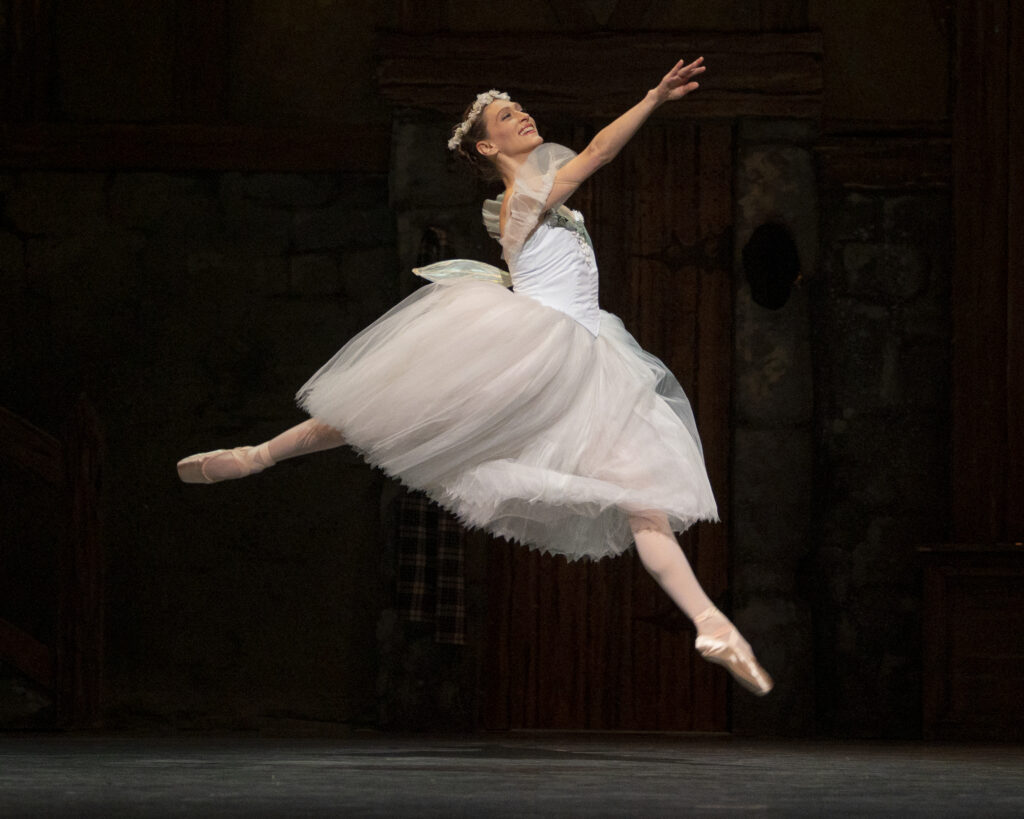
(464, 269)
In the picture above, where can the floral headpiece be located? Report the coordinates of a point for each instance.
(482, 101)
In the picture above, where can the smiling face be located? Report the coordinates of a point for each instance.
(510, 130)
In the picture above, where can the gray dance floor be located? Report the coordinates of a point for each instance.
(503, 775)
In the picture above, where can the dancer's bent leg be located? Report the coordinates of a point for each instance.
(226, 464)
(717, 638)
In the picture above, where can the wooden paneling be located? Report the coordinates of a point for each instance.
(974, 653)
(26, 70)
(889, 163)
(973, 641)
(988, 401)
(199, 138)
(575, 14)
(782, 15)
(630, 14)
(80, 644)
(1015, 279)
(201, 53)
(748, 74)
(713, 340)
(599, 645)
(415, 16)
(52, 146)
(73, 668)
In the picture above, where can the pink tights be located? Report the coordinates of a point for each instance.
(302, 439)
(666, 562)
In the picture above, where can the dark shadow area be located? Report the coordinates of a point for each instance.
(771, 265)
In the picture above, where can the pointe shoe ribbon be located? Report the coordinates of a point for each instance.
(193, 468)
(733, 653)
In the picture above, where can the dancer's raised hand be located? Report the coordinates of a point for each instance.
(679, 81)
(607, 143)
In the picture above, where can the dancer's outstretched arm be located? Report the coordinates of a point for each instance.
(605, 146)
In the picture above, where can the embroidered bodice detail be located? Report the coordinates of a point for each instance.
(572, 220)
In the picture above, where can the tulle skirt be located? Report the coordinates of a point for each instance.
(514, 417)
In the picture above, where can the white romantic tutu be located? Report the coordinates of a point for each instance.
(517, 419)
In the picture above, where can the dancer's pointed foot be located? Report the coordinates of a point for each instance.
(720, 642)
(224, 464)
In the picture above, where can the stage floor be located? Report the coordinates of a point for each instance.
(503, 775)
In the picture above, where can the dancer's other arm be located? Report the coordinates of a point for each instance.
(606, 145)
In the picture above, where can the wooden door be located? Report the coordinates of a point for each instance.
(987, 302)
(598, 645)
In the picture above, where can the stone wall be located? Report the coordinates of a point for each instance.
(881, 351)
(840, 460)
(773, 429)
(190, 308)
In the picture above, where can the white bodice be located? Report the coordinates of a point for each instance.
(549, 254)
(556, 266)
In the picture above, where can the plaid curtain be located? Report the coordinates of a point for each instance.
(431, 584)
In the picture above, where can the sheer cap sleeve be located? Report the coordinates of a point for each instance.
(534, 180)
(491, 213)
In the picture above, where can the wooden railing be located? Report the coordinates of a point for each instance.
(72, 668)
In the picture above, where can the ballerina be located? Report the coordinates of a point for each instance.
(530, 412)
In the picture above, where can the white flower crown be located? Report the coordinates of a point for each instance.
(482, 101)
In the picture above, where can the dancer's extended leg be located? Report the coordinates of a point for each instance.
(226, 464)
(666, 563)
(302, 439)
(717, 638)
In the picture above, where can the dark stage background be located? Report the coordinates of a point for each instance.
(201, 200)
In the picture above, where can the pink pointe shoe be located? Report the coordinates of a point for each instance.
(224, 464)
(732, 652)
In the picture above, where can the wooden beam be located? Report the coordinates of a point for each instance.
(886, 163)
(105, 146)
(885, 128)
(601, 74)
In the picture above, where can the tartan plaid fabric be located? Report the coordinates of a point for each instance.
(431, 586)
